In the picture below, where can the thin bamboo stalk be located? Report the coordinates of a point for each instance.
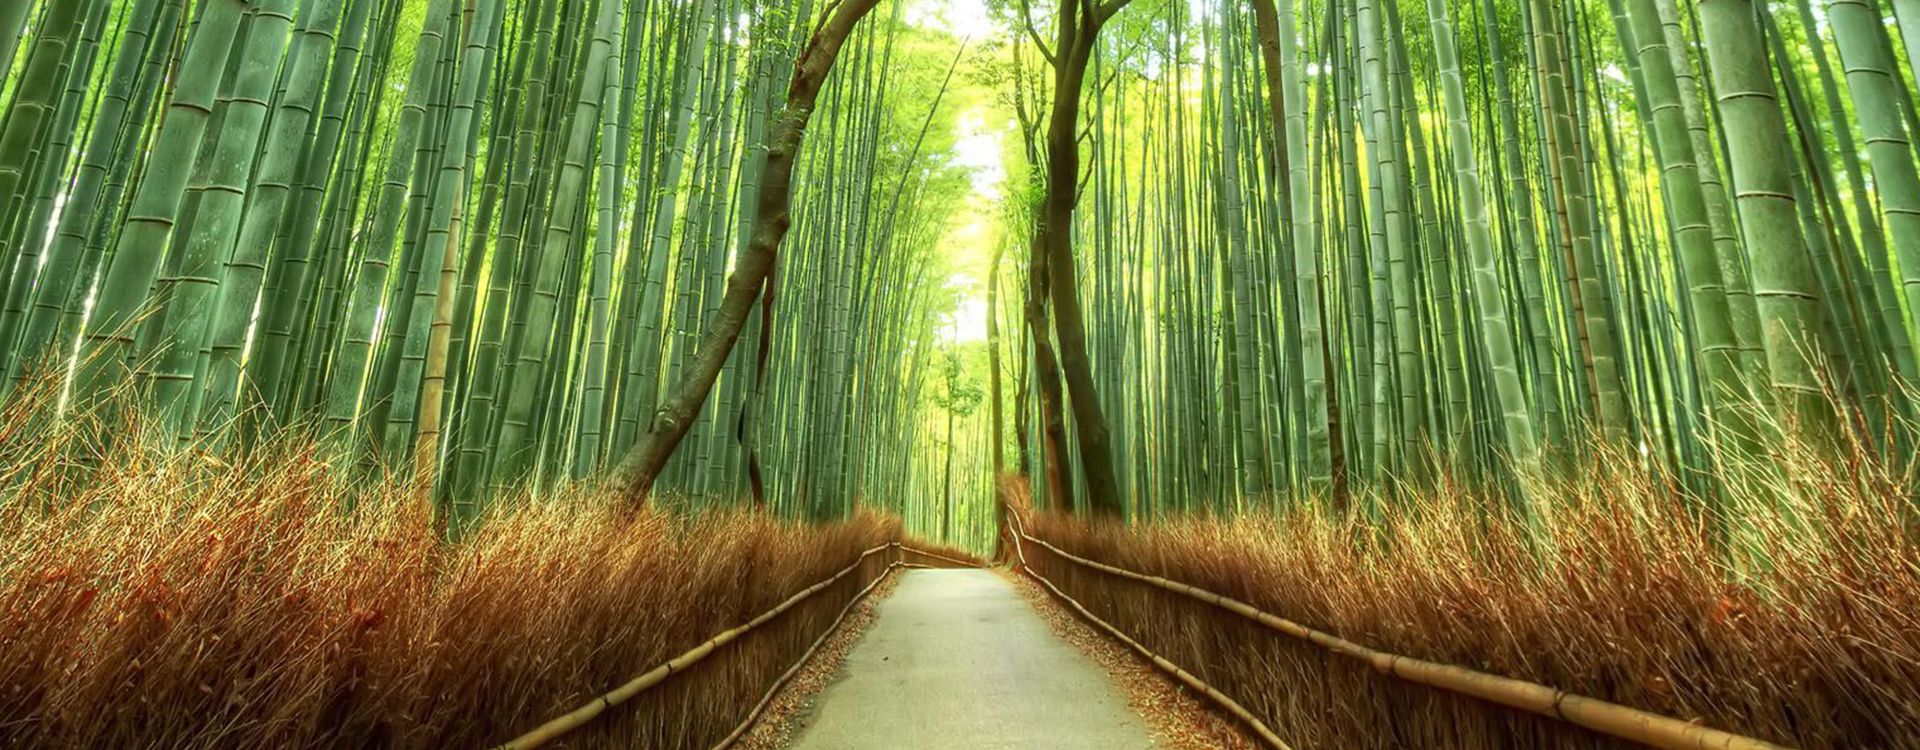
(579, 717)
(1611, 719)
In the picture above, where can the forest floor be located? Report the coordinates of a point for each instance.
(959, 659)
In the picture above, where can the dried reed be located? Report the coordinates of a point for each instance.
(165, 598)
(1789, 612)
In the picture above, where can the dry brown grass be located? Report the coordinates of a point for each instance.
(1625, 592)
(169, 599)
(785, 715)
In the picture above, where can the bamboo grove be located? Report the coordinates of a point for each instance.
(1245, 249)
(1371, 243)
(479, 240)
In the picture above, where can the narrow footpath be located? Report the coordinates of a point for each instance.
(957, 659)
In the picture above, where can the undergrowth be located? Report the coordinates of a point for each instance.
(168, 598)
(1786, 609)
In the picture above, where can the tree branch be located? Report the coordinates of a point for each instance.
(1026, 23)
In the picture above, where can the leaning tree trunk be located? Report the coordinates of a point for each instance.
(1043, 367)
(1079, 31)
(641, 467)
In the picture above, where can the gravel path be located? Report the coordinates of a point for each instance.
(957, 659)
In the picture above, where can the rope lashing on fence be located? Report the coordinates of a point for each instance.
(1611, 719)
(1191, 680)
(581, 716)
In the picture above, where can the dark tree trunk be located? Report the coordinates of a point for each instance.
(1044, 368)
(999, 414)
(1266, 21)
(1266, 24)
(1046, 371)
(946, 506)
(1079, 31)
(993, 361)
(786, 128)
(1022, 420)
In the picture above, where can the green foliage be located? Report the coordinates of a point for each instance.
(1468, 177)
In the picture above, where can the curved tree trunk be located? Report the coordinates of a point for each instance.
(640, 469)
(1079, 31)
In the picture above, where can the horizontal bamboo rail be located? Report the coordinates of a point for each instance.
(781, 682)
(1611, 719)
(580, 716)
(1191, 680)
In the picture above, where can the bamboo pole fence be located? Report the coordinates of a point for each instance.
(579, 717)
(1224, 701)
(781, 681)
(1607, 718)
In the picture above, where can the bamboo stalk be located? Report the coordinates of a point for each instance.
(580, 716)
(781, 682)
(1611, 719)
(1222, 699)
